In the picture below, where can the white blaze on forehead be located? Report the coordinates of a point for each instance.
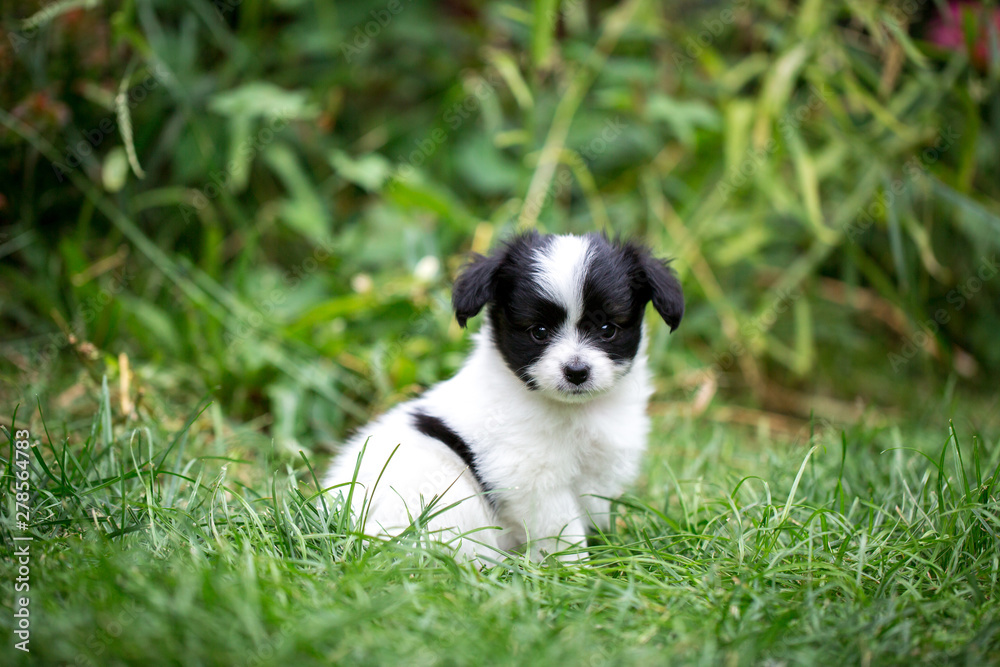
(562, 266)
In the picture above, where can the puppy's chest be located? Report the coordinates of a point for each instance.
(574, 452)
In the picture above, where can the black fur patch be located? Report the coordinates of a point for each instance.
(518, 306)
(648, 279)
(664, 290)
(504, 281)
(610, 297)
(435, 427)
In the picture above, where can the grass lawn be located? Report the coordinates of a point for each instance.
(865, 545)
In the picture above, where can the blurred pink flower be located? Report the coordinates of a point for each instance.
(947, 29)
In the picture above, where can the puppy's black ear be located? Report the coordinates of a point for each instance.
(664, 290)
(474, 287)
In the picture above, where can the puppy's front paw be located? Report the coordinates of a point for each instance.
(574, 555)
(561, 550)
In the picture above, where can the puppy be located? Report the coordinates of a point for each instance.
(544, 421)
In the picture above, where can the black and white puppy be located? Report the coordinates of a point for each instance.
(545, 419)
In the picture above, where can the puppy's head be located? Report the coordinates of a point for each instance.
(566, 311)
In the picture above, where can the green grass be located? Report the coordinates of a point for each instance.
(859, 546)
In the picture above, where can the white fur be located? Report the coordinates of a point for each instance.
(567, 346)
(547, 458)
(562, 265)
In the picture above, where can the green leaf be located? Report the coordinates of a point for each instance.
(369, 171)
(304, 211)
(485, 168)
(259, 98)
(682, 117)
(546, 17)
(153, 325)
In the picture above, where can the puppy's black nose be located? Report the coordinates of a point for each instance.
(576, 372)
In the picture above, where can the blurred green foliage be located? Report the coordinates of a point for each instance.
(269, 200)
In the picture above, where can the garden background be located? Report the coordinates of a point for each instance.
(228, 231)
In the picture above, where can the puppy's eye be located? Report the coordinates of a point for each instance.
(539, 333)
(608, 331)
